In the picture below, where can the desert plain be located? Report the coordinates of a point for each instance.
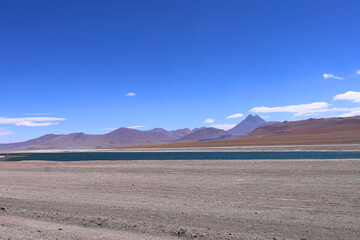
(193, 199)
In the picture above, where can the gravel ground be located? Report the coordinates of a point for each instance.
(218, 199)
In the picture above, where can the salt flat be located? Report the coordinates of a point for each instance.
(231, 199)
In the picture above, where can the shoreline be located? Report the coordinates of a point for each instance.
(280, 148)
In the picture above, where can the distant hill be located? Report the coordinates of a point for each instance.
(305, 132)
(206, 134)
(119, 137)
(127, 137)
(249, 124)
(309, 126)
(28, 144)
(198, 128)
(180, 132)
(131, 137)
(164, 135)
(161, 134)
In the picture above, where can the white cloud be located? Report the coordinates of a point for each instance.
(353, 112)
(264, 117)
(223, 126)
(31, 121)
(350, 95)
(329, 75)
(348, 111)
(135, 127)
(130, 94)
(209, 120)
(35, 124)
(298, 110)
(358, 72)
(236, 115)
(4, 131)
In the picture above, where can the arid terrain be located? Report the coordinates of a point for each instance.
(218, 199)
(341, 136)
(252, 131)
(322, 131)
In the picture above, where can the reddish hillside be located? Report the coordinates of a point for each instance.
(305, 132)
(310, 126)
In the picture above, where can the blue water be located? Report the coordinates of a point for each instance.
(87, 156)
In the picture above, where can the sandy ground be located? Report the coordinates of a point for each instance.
(231, 199)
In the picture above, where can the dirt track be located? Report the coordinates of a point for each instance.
(269, 199)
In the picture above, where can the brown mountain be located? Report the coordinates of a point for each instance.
(117, 138)
(305, 132)
(205, 134)
(310, 126)
(198, 128)
(168, 136)
(128, 137)
(249, 124)
(180, 132)
(28, 144)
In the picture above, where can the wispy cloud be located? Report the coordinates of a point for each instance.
(330, 75)
(209, 120)
(317, 108)
(31, 121)
(130, 94)
(4, 131)
(309, 110)
(135, 127)
(352, 112)
(35, 124)
(358, 72)
(298, 110)
(349, 95)
(223, 126)
(236, 115)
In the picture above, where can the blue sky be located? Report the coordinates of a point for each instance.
(69, 66)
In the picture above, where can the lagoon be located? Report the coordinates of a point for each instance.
(91, 156)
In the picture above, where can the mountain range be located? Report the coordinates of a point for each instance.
(129, 137)
(252, 131)
(322, 131)
(206, 134)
